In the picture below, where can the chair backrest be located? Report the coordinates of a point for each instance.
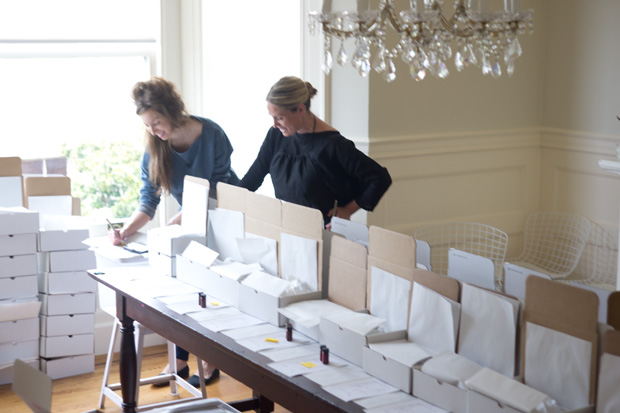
(472, 237)
(598, 263)
(554, 241)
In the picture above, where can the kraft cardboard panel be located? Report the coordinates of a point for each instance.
(231, 197)
(392, 246)
(47, 185)
(448, 287)
(303, 221)
(264, 208)
(10, 166)
(613, 310)
(347, 274)
(564, 308)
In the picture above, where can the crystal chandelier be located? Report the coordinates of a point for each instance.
(482, 38)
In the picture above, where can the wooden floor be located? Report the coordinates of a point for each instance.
(81, 393)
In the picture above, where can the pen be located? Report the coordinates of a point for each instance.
(117, 232)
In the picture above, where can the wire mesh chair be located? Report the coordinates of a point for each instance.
(472, 237)
(598, 264)
(553, 242)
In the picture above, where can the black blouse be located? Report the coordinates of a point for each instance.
(316, 169)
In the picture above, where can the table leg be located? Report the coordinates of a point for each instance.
(128, 361)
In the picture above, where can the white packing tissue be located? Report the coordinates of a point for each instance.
(451, 368)
(267, 283)
(225, 226)
(258, 249)
(357, 322)
(299, 260)
(510, 392)
(608, 400)
(199, 253)
(308, 313)
(235, 270)
(433, 319)
(402, 351)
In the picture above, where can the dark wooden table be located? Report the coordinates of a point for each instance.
(297, 394)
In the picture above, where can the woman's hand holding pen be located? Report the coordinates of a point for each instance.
(343, 212)
(117, 237)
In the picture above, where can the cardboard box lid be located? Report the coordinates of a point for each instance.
(446, 286)
(391, 251)
(347, 273)
(231, 197)
(613, 310)
(263, 216)
(301, 220)
(10, 166)
(564, 308)
(47, 185)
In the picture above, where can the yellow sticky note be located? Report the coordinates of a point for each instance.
(308, 364)
(272, 340)
(215, 303)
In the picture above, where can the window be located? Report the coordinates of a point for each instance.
(67, 71)
(248, 45)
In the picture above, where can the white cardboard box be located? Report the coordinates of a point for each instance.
(384, 368)
(75, 303)
(18, 220)
(62, 240)
(265, 306)
(212, 283)
(59, 368)
(477, 402)
(66, 282)
(18, 350)
(18, 244)
(17, 265)
(69, 324)
(163, 263)
(71, 260)
(19, 308)
(441, 394)
(69, 345)
(342, 341)
(7, 372)
(17, 287)
(171, 240)
(19, 330)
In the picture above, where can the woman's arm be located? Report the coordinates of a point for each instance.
(138, 220)
(255, 176)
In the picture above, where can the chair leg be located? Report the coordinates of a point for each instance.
(108, 363)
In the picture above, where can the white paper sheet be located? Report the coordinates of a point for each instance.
(253, 331)
(225, 226)
(11, 190)
(261, 343)
(471, 268)
(340, 375)
(291, 353)
(308, 313)
(351, 230)
(235, 270)
(450, 367)
(383, 400)
(306, 365)
(550, 354)
(52, 205)
(195, 206)
(402, 351)
(414, 405)
(389, 299)
(433, 319)
(210, 314)
(299, 259)
(360, 323)
(196, 252)
(266, 283)
(263, 250)
(608, 400)
(487, 332)
(359, 389)
(192, 306)
(228, 323)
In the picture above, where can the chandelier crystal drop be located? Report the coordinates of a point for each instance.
(480, 38)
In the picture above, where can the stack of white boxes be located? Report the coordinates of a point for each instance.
(67, 296)
(19, 302)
